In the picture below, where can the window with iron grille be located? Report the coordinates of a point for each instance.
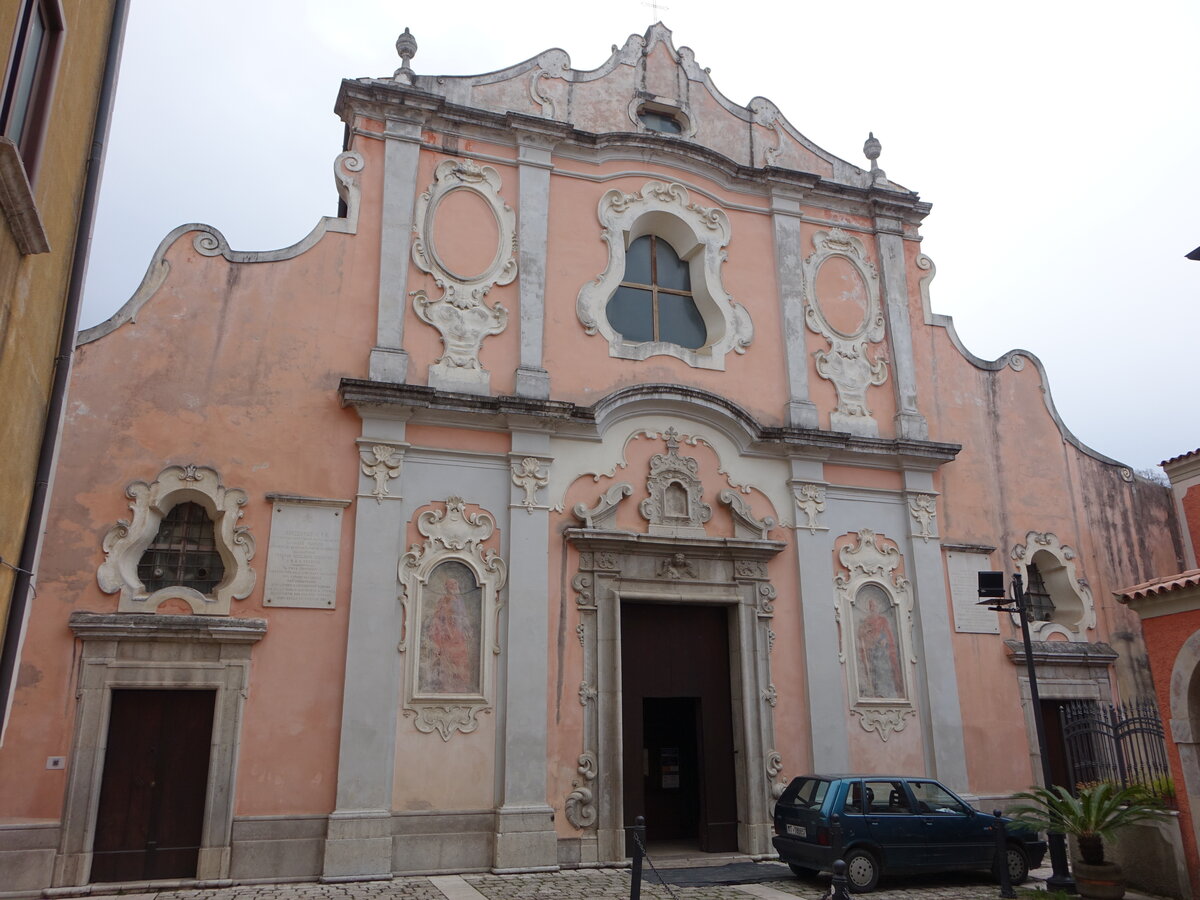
(183, 553)
(654, 301)
(1041, 604)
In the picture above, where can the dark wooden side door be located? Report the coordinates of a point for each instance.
(677, 723)
(151, 813)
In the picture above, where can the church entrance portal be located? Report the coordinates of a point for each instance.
(677, 723)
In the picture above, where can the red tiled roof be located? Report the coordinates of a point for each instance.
(1190, 578)
(1181, 456)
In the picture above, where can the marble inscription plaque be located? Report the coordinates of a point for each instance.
(969, 616)
(302, 561)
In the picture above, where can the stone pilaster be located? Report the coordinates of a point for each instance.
(534, 156)
(359, 838)
(525, 836)
(890, 244)
(402, 149)
(827, 701)
(937, 680)
(785, 220)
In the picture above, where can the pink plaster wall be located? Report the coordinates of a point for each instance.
(234, 367)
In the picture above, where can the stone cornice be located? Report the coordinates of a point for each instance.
(387, 99)
(409, 400)
(149, 627)
(1063, 653)
(655, 545)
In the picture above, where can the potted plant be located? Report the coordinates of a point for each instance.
(1095, 813)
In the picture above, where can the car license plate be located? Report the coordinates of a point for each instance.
(797, 830)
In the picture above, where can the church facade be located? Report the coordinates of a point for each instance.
(603, 457)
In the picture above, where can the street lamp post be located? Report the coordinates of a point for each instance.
(991, 587)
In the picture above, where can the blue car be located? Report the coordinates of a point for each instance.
(894, 825)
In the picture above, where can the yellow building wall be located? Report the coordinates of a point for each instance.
(33, 288)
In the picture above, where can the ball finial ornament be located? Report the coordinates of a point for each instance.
(872, 147)
(871, 150)
(406, 46)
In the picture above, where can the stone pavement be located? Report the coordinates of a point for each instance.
(590, 884)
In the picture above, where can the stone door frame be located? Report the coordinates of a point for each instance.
(729, 572)
(155, 652)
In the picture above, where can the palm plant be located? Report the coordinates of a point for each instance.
(1097, 813)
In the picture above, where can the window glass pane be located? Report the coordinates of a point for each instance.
(679, 322)
(933, 799)
(631, 314)
(23, 88)
(661, 122)
(806, 792)
(672, 271)
(637, 261)
(886, 797)
(854, 798)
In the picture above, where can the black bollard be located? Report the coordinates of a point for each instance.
(835, 835)
(1006, 888)
(637, 834)
(841, 886)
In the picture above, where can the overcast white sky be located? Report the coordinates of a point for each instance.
(1058, 142)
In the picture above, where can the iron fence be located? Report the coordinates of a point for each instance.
(1124, 744)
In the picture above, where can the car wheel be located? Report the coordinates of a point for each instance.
(801, 871)
(1018, 865)
(862, 871)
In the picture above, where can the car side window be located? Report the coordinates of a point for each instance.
(933, 799)
(854, 799)
(886, 798)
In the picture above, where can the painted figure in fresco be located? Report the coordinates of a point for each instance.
(450, 645)
(879, 672)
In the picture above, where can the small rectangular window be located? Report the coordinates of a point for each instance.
(29, 81)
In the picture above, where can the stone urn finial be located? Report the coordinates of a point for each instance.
(406, 46)
(871, 150)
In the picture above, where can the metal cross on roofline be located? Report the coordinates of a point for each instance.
(656, 6)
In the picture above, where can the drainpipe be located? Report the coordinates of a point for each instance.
(14, 633)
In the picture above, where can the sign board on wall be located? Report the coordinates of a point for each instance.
(304, 551)
(963, 568)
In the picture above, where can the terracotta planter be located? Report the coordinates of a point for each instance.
(1102, 882)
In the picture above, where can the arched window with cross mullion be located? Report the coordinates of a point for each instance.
(654, 300)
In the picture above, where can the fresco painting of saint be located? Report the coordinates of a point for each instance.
(880, 675)
(450, 632)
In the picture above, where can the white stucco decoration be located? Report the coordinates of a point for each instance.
(923, 509)
(436, 696)
(874, 616)
(676, 506)
(1074, 609)
(460, 314)
(126, 541)
(529, 476)
(699, 236)
(847, 363)
(551, 64)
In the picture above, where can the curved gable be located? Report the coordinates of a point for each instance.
(647, 72)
